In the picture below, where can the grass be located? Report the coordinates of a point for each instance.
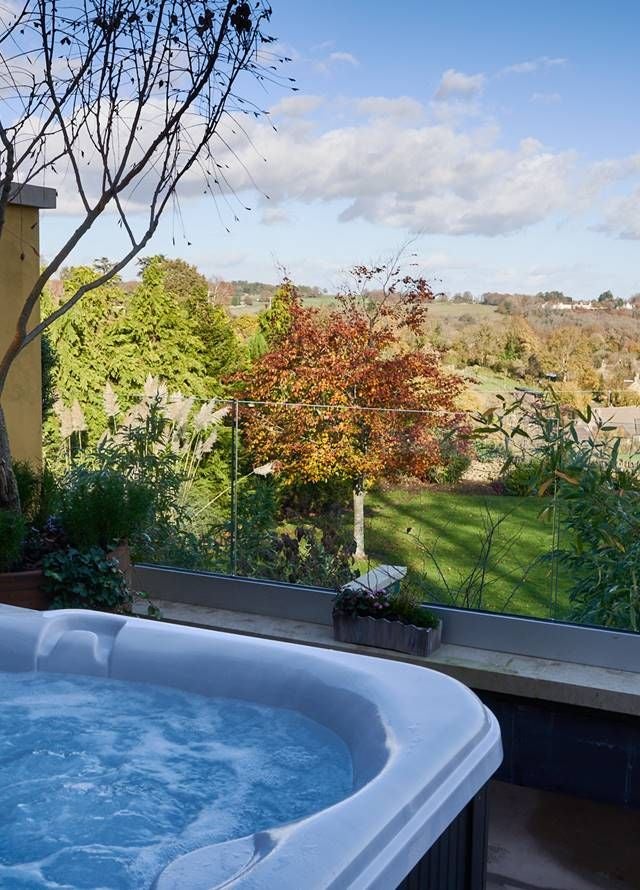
(454, 523)
(490, 381)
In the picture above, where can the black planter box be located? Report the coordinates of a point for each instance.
(385, 634)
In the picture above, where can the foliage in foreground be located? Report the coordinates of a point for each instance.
(88, 579)
(12, 532)
(595, 508)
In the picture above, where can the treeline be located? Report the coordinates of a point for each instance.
(165, 326)
(586, 356)
(606, 300)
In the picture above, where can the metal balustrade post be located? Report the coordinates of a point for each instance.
(235, 432)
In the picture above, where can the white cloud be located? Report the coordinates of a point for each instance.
(274, 216)
(546, 98)
(457, 84)
(431, 177)
(532, 65)
(622, 217)
(347, 58)
(297, 106)
(320, 47)
(336, 59)
(602, 175)
(380, 106)
(408, 172)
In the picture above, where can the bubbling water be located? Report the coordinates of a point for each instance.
(104, 782)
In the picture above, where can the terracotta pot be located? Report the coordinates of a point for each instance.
(24, 589)
(385, 634)
(122, 556)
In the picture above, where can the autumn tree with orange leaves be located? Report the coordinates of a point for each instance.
(345, 363)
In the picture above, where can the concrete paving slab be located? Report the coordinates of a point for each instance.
(540, 840)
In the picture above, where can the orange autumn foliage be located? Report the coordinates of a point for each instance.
(345, 362)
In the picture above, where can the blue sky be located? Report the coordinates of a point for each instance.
(503, 136)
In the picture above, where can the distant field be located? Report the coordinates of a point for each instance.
(457, 521)
(437, 311)
(479, 312)
(235, 311)
(489, 381)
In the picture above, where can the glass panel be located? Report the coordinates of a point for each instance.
(598, 519)
(180, 448)
(468, 534)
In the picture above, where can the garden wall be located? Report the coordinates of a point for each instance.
(19, 268)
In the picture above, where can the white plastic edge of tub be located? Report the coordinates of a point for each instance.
(422, 744)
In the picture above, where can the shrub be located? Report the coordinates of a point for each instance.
(12, 533)
(601, 548)
(596, 505)
(103, 507)
(455, 459)
(455, 465)
(526, 477)
(88, 579)
(306, 555)
(486, 451)
(38, 491)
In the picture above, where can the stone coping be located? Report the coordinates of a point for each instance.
(568, 683)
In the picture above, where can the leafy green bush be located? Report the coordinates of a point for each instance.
(12, 533)
(455, 458)
(86, 579)
(38, 491)
(306, 555)
(524, 478)
(486, 451)
(600, 545)
(596, 504)
(103, 507)
(455, 464)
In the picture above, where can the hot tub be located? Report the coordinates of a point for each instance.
(422, 749)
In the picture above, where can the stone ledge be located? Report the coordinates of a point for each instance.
(564, 682)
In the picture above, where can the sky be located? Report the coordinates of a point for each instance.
(501, 138)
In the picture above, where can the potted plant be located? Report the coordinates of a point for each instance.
(90, 511)
(88, 579)
(26, 537)
(386, 619)
(17, 587)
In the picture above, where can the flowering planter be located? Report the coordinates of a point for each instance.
(24, 589)
(385, 634)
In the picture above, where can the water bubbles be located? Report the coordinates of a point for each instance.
(112, 779)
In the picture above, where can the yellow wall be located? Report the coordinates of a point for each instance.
(19, 268)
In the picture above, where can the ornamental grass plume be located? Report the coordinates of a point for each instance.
(110, 401)
(63, 413)
(205, 416)
(178, 409)
(78, 422)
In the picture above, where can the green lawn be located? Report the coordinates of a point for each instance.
(490, 381)
(457, 521)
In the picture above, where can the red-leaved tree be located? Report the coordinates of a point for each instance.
(364, 355)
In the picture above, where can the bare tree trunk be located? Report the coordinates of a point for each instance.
(9, 497)
(358, 522)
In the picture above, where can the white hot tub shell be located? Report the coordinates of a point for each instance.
(422, 744)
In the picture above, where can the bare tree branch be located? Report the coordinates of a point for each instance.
(128, 96)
